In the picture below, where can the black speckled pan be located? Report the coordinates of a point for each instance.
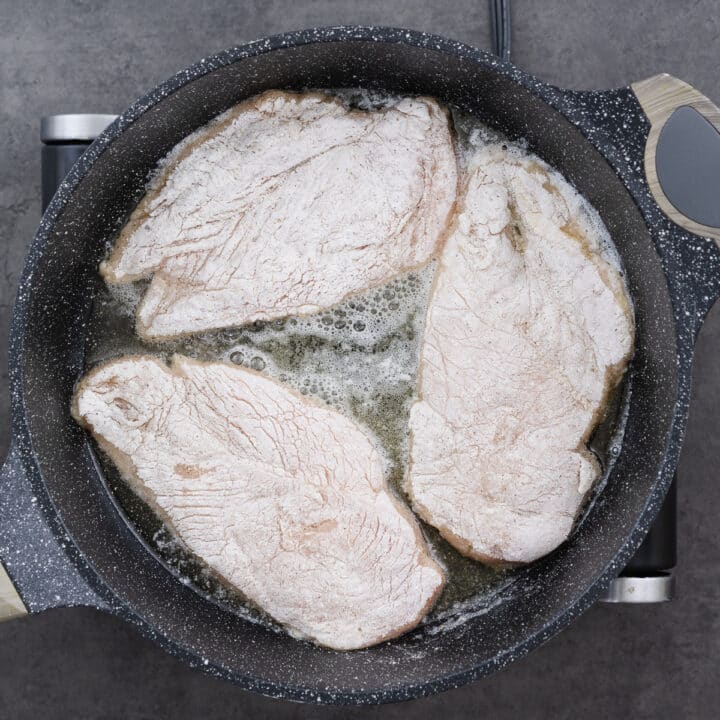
(62, 539)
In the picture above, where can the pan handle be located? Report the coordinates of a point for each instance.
(682, 153)
(36, 570)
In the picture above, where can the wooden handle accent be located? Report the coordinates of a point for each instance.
(11, 605)
(659, 96)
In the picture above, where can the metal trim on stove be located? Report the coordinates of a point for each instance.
(640, 590)
(81, 127)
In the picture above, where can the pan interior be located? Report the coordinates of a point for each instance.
(297, 352)
(53, 355)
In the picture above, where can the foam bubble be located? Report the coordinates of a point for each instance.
(365, 98)
(127, 297)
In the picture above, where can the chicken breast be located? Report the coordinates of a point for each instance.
(284, 498)
(528, 329)
(285, 205)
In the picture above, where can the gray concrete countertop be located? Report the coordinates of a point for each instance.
(88, 56)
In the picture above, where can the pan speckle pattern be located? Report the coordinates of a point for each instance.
(92, 543)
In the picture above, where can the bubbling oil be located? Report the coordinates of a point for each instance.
(360, 357)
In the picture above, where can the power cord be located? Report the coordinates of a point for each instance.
(500, 18)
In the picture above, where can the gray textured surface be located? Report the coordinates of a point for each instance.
(616, 661)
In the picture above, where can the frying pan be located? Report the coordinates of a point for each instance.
(644, 156)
